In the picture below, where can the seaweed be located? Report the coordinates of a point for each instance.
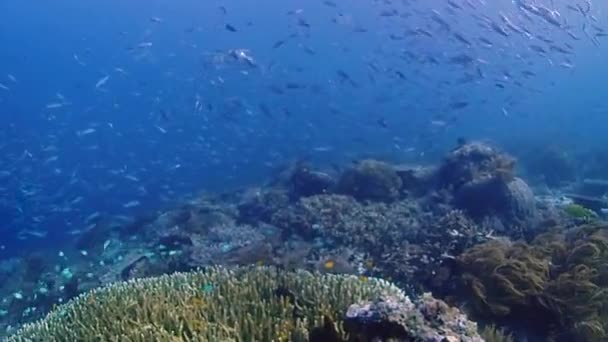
(559, 278)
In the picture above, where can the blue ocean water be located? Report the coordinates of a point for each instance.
(119, 108)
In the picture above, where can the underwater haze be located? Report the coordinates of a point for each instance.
(114, 111)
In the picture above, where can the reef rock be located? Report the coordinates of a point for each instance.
(371, 180)
(416, 180)
(511, 201)
(392, 318)
(259, 205)
(306, 182)
(472, 162)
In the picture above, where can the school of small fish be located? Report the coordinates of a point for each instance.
(327, 67)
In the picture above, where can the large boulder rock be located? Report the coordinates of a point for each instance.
(394, 318)
(511, 201)
(472, 162)
(371, 180)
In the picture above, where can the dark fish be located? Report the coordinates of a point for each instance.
(462, 59)
(454, 5)
(528, 73)
(486, 41)
(499, 29)
(302, 22)
(373, 67)
(329, 3)
(393, 36)
(344, 77)
(164, 115)
(538, 49)
(223, 10)
(278, 44)
(294, 85)
(544, 39)
(309, 50)
(400, 74)
(572, 35)
(423, 32)
(230, 28)
(458, 105)
(382, 122)
(265, 110)
(572, 8)
(437, 18)
(389, 13)
(560, 49)
(275, 89)
(462, 39)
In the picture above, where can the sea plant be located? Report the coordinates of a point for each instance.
(216, 304)
(560, 280)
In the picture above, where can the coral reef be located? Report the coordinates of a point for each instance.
(398, 237)
(406, 223)
(251, 304)
(243, 304)
(559, 282)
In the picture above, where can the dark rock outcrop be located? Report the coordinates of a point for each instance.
(371, 180)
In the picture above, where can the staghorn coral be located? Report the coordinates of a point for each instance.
(560, 280)
(242, 304)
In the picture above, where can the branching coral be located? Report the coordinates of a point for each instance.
(561, 278)
(242, 304)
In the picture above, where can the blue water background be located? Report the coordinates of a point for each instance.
(208, 150)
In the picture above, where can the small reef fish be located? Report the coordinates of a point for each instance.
(102, 81)
(77, 59)
(85, 132)
(3, 87)
(131, 204)
(54, 105)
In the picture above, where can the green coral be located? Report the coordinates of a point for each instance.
(559, 281)
(577, 211)
(217, 304)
